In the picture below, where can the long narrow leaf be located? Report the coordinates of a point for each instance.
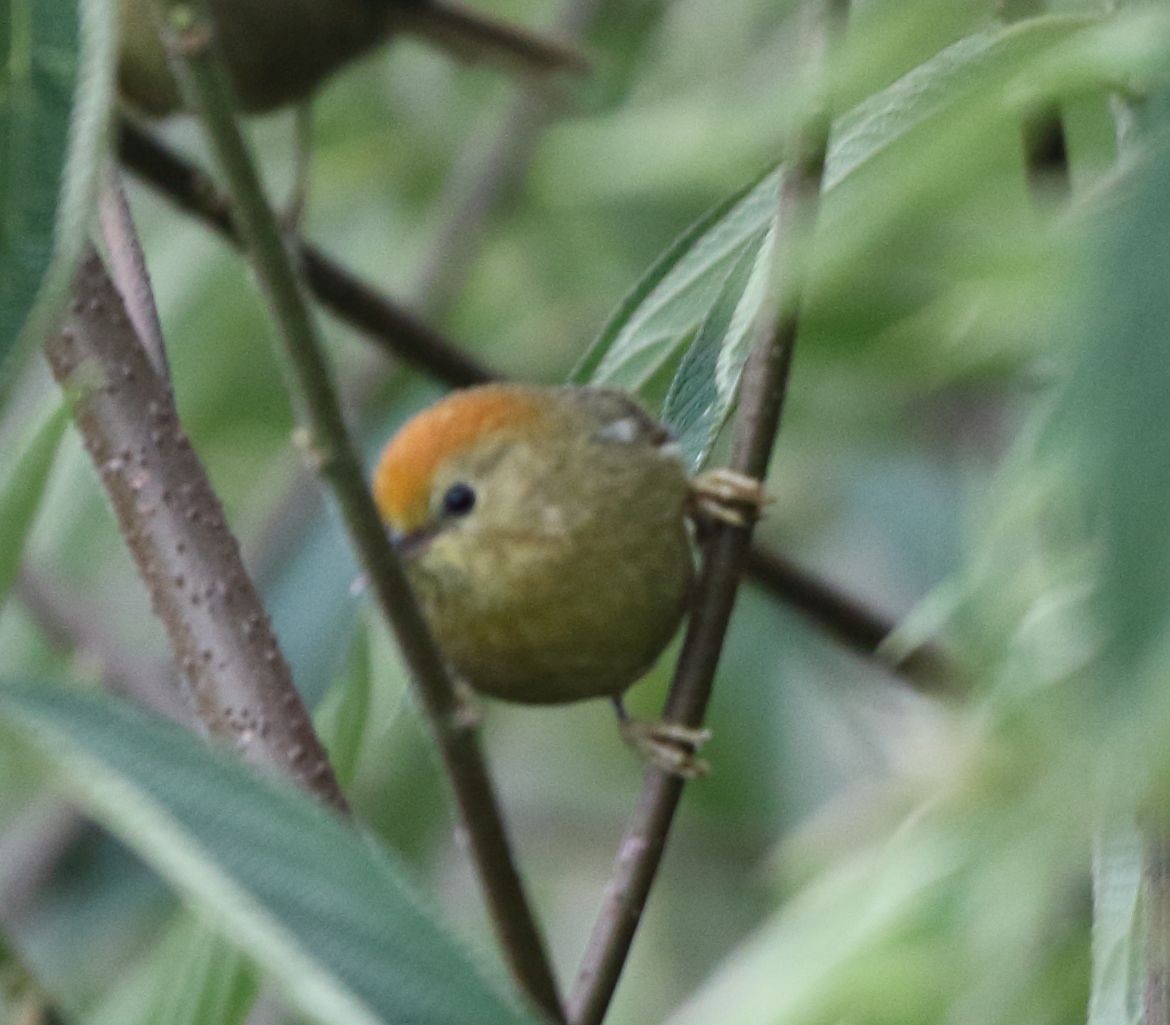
(56, 91)
(317, 905)
(688, 286)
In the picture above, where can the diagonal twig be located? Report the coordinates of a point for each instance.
(384, 323)
(189, 36)
(391, 328)
(765, 380)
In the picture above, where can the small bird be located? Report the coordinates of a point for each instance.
(278, 52)
(548, 533)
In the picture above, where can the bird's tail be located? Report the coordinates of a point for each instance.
(472, 36)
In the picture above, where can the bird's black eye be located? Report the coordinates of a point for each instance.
(459, 499)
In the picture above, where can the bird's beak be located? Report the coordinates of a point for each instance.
(410, 544)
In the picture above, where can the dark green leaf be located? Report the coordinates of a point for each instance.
(56, 89)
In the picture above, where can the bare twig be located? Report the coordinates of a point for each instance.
(175, 528)
(761, 402)
(384, 323)
(394, 330)
(327, 443)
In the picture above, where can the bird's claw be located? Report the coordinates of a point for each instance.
(728, 496)
(669, 746)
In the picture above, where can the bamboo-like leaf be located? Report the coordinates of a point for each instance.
(672, 297)
(687, 287)
(705, 384)
(331, 917)
(56, 91)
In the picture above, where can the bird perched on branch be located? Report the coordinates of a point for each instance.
(548, 535)
(278, 52)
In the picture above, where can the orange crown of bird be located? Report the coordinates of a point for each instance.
(402, 480)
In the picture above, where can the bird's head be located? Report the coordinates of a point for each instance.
(460, 464)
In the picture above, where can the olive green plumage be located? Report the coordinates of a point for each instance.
(572, 570)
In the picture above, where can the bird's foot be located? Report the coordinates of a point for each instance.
(728, 496)
(669, 746)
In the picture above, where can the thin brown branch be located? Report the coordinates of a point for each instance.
(765, 382)
(326, 440)
(393, 330)
(174, 526)
(383, 323)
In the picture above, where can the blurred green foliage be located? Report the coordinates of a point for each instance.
(974, 437)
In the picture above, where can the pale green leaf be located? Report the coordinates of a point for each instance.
(330, 916)
(1118, 950)
(704, 387)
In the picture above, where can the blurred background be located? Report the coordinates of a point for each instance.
(515, 219)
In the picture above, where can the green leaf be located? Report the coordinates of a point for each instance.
(315, 903)
(937, 87)
(24, 486)
(704, 387)
(672, 297)
(688, 286)
(56, 91)
(1110, 422)
(190, 976)
(341, 719)
(1118, 950)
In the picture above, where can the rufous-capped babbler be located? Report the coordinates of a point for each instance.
(545, 533)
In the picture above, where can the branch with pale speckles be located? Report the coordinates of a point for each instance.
(173, 524)
(190, 39)
(765, 383)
